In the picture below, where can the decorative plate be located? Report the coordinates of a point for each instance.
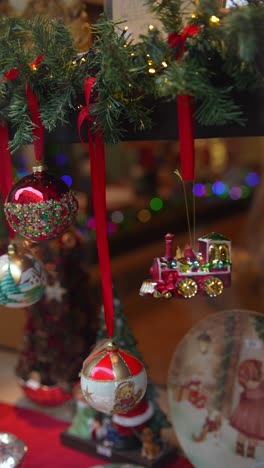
(12, 450)
(216, 391)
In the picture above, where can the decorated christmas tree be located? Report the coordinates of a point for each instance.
(61, 327)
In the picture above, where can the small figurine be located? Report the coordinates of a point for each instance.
(127, 428)
(150, 448)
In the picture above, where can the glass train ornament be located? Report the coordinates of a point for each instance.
(206, 272)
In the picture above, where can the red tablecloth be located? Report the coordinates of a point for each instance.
(42, 436)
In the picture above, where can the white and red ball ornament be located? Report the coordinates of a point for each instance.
(40, 206)
(113, 380)
(22, 279)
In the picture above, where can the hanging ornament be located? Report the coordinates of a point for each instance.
(22, 279)
(204, 272)
(113, 380)
(40, 206)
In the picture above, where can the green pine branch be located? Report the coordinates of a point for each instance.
(220, 59)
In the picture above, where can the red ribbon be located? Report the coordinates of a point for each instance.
(38, 128)
(186, 135)
(33, 105)
(178, 40)
(97, 162)
(6, 175)
(185, 109)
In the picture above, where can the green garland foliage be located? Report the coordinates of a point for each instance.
(220, 59)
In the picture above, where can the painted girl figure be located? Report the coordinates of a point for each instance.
(248, 417)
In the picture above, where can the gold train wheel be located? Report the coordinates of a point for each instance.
(167, 295)
(157, 294)
(213, 286)
(187, 287)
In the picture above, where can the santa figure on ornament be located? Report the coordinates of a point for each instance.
(126, 428)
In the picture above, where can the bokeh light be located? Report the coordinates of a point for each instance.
(219, 188)
(67, 179)
(111, 227)
(156, 204)
(144, 215)
(246, 191)
(91, 223)
(61, 159)
(235, 192)
(22, 172)
(117, 217)
(199, 190)
(252, 179)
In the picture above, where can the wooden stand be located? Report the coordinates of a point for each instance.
(167, 456)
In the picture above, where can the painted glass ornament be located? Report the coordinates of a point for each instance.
(205, 272)
(113, 380)
(22, 279)
(40, 206)
(12, 450)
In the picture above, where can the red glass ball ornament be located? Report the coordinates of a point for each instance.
(113, 380)
(40, 206)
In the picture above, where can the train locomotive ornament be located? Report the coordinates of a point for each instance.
(206, 272)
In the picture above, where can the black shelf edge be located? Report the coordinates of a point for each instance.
(165, 123)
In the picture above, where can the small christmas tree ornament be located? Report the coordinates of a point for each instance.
(40, 206)
(113, 380)
(22, 279)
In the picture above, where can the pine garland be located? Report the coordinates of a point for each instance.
(221, 59)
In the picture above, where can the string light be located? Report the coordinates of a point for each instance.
(151, 27)
(164, 64)
(152, 70)
(214, 19)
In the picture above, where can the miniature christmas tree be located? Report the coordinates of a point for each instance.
(8, 285)
(61, 327)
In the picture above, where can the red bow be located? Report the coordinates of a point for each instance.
(178, 40)
(11, 74)
(36, 62)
